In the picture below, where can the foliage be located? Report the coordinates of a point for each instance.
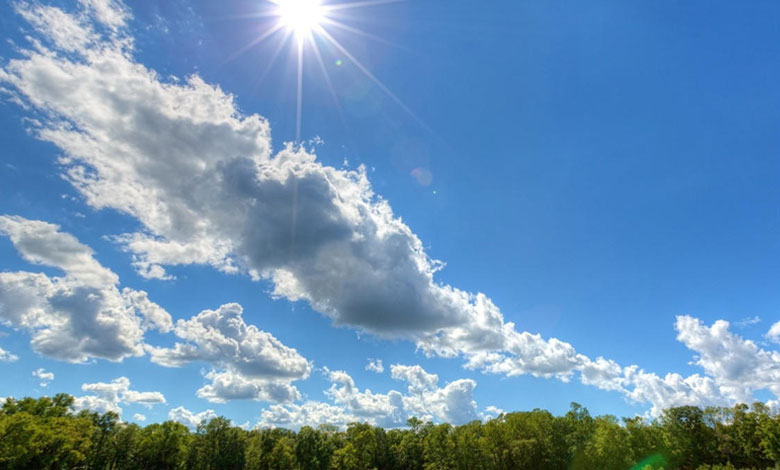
(45, 433)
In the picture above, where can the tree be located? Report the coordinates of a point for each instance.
(690, 442)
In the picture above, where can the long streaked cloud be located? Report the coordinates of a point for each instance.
(204, 183)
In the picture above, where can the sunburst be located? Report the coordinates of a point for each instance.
(307, 22)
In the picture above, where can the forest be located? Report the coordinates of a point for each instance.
(46, 433)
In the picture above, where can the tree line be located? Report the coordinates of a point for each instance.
(45, 433)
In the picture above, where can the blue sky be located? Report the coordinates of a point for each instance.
(598, 179)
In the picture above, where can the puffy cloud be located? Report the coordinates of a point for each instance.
(375, 365)
(108, 396)
(416, 376)
(188, 418)
(734, 369)
(5, 356)
(253, 364)
(737, 366)
(452, 403)
(310, 413)
(139, 417)
(81, 314)
(673, 390)
(43, 376)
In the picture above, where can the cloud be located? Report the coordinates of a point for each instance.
(737, 366)
(774, 332)
(748, 321)
(202, 180)
(452, 403)
(108, 396)
(139, 417)
(375, 365)
(252, 364)
(79, 315)
(188, 418)
(5, 356)
(416, 376)
(43, 376)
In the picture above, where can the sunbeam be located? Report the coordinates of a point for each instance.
(306, 21)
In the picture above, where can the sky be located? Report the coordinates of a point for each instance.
(375, 210)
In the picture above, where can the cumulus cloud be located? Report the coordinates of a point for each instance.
(80, 315)
(188, 418)
(139, 417)
(202, 180)
(43, 376)
(5, 356)
(108, 396)
(738, 366)
(452, 403)
(375, 365)
(252, 364)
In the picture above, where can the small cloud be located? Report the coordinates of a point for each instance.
(43, 376)
(747, 321)
(5, 356)
(774, 333)
(375, 365)
(139, 417)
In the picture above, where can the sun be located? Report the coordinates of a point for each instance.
(300, 16)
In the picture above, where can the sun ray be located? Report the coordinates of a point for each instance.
(299, 101)
(325, 74)
(253, 43)
(271, 62)
(370, 75)
(367, 3)
(359, 32)
(305, 20)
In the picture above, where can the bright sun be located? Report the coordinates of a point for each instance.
(300, 16)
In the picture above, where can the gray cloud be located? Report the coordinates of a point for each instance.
(81, 314)
(252, 364)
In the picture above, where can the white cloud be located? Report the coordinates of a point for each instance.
(375, 365)
(108, 12)
(108, 396)
(252, 364)
(43, 376)
(774, 332)
(139, 417)
(5, 356)
(737, 366)
(188, 418)
(452, 403)
(81, 314)
(310, 413)
(416, 376)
